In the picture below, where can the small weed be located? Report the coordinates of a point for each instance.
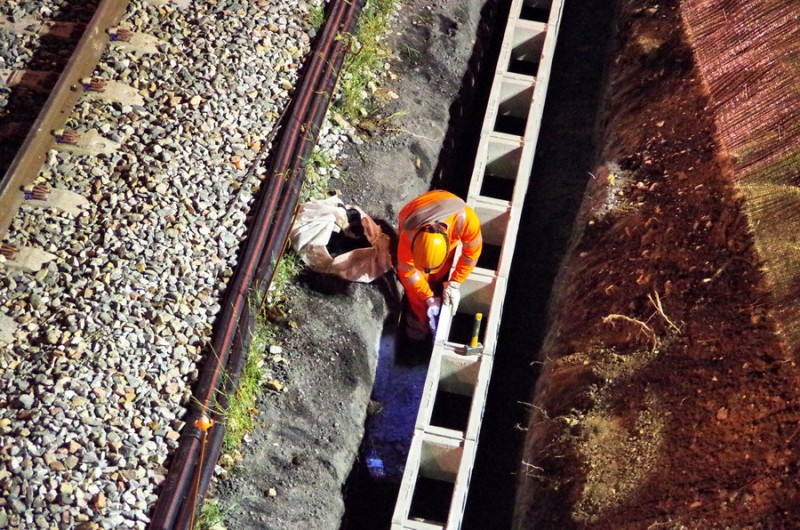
(411, 52)
(211, 517)
(533, 471)
(316, 15)
(395, 115)
(288, 268)
(317, 166)
(656, 301)
(241, 412)
(610, 319)
(542, 411)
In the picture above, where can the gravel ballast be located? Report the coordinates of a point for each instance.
(96, 371)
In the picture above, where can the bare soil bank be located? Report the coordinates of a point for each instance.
(666, 398)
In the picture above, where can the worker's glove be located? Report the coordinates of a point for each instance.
(434, 307)
(452, 296)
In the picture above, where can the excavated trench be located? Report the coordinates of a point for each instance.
(667, 397)
(563, 160)
(564, 156)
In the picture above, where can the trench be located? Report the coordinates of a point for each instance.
(562, 165)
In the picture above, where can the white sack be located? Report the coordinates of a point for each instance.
(315, 223)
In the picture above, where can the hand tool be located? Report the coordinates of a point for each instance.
(474, 347)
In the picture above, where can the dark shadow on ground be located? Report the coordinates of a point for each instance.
(374, 481)
(565, 151)
(460, 145)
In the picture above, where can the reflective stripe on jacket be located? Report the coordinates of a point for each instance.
(463, 226)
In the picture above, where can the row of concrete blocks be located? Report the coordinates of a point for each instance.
(435, 484)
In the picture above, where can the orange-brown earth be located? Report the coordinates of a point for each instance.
(667, 396)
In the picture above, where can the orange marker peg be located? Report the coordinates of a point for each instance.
(204, 423)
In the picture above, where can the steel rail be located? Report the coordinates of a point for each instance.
(57, 109)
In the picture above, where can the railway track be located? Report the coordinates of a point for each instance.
(121, 216)
(37, 76)
(38, 48)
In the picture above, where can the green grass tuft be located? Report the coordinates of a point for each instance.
(316, 182)
(241, 413)
(365, 61)
(288, 268)
(316, 15)
(211, 516)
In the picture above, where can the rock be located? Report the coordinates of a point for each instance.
(26, 400)
(99, 501)
(122, 303)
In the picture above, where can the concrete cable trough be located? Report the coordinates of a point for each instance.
(435, 483)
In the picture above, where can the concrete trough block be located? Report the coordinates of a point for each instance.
(534, 10)
(503, 161)
(454, 394)
(509, 104)
(482, 292)
(497, 163)
(495, 215)
(417, 525)
(524, 52)
(435, 482)
(509, 242)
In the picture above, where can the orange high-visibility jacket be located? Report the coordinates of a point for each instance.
(463, 226)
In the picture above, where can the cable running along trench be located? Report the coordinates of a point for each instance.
(266, 241)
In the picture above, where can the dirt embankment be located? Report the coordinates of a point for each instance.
(667, 397)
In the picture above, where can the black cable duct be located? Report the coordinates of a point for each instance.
(266, 241)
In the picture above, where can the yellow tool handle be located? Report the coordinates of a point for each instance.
(476, 329)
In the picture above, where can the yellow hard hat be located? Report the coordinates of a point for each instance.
(430, 247)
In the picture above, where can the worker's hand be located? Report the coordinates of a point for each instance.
(434, 308)
(452, 296)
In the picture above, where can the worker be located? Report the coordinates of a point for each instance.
(430, 229)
